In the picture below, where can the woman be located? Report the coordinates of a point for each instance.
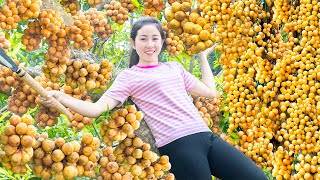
(160, 91)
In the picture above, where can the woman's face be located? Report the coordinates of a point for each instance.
(148, 44)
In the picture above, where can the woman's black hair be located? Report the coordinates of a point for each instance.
(134, 57)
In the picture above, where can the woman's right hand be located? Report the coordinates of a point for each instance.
(48, 101)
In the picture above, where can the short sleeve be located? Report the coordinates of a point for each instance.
(189, 80)
(120, 88)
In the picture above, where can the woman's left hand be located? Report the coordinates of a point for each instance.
(208, 51)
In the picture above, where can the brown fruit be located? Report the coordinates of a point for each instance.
(87, 150)
(87, 138)
(131, 108)
(59, 142)
(139, 115)
(145, 163)
(95, 144)
(120, 121)
(67, 148)
(15, 119)
(57, 155)
(47, 160)
(170, 176)
(39, 153)
(27, 118)
(70, 172)
(131, 160)
(9, 130)
(27, 141)
(137, 153)
(147, 154)
(76, 146)
(112, 167)
(4, 139)
(21, 128)
(31, 131)
(127, 128)
(57, 167)
(107, 150)
(179, 15)
(73, 158)
(16, 158)
(9, 150)
(14, 140)
(131, 117)
(83, 160)
(48, 145)
(135, 170)
(123, 112)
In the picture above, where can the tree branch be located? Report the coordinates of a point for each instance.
(191, 65)
(100, 48)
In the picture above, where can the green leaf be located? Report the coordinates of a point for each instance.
(4, 115)
(136, 3)
(97, 91)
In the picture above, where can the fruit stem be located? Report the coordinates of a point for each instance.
(95, 130)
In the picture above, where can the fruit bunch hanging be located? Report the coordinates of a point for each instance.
(46, 116)
(117, 13)
(55, 32)
(17, 140)
(71, 6)
(9, 16)
(209, 111)
(55, 158)
(22, 97)
(8, 79)
(101, 25)
(89, 156)
(88, 75)
(153, 7)
(174, 43)
(121, 123)
(81, 33)
(131, 159)
(128, 4)
(32, 36)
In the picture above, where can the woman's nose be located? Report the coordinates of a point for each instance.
(149, 43)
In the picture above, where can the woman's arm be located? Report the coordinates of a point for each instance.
(207, 87)
(84, 108)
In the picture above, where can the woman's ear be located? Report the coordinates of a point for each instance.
(132, 44)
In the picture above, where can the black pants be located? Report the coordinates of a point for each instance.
(200, 155)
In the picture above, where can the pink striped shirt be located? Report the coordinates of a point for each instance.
(161, 93)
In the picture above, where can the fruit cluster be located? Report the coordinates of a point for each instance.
(8, 79)
(17, 140)
(153, 8)
(117, 13)
(209, 111)
(46, 116)
(88, 75)
(121, 123)
(55, 158)
(133, 159)
(81, 33)
(101, 25)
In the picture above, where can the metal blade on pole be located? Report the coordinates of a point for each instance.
(7, 61)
